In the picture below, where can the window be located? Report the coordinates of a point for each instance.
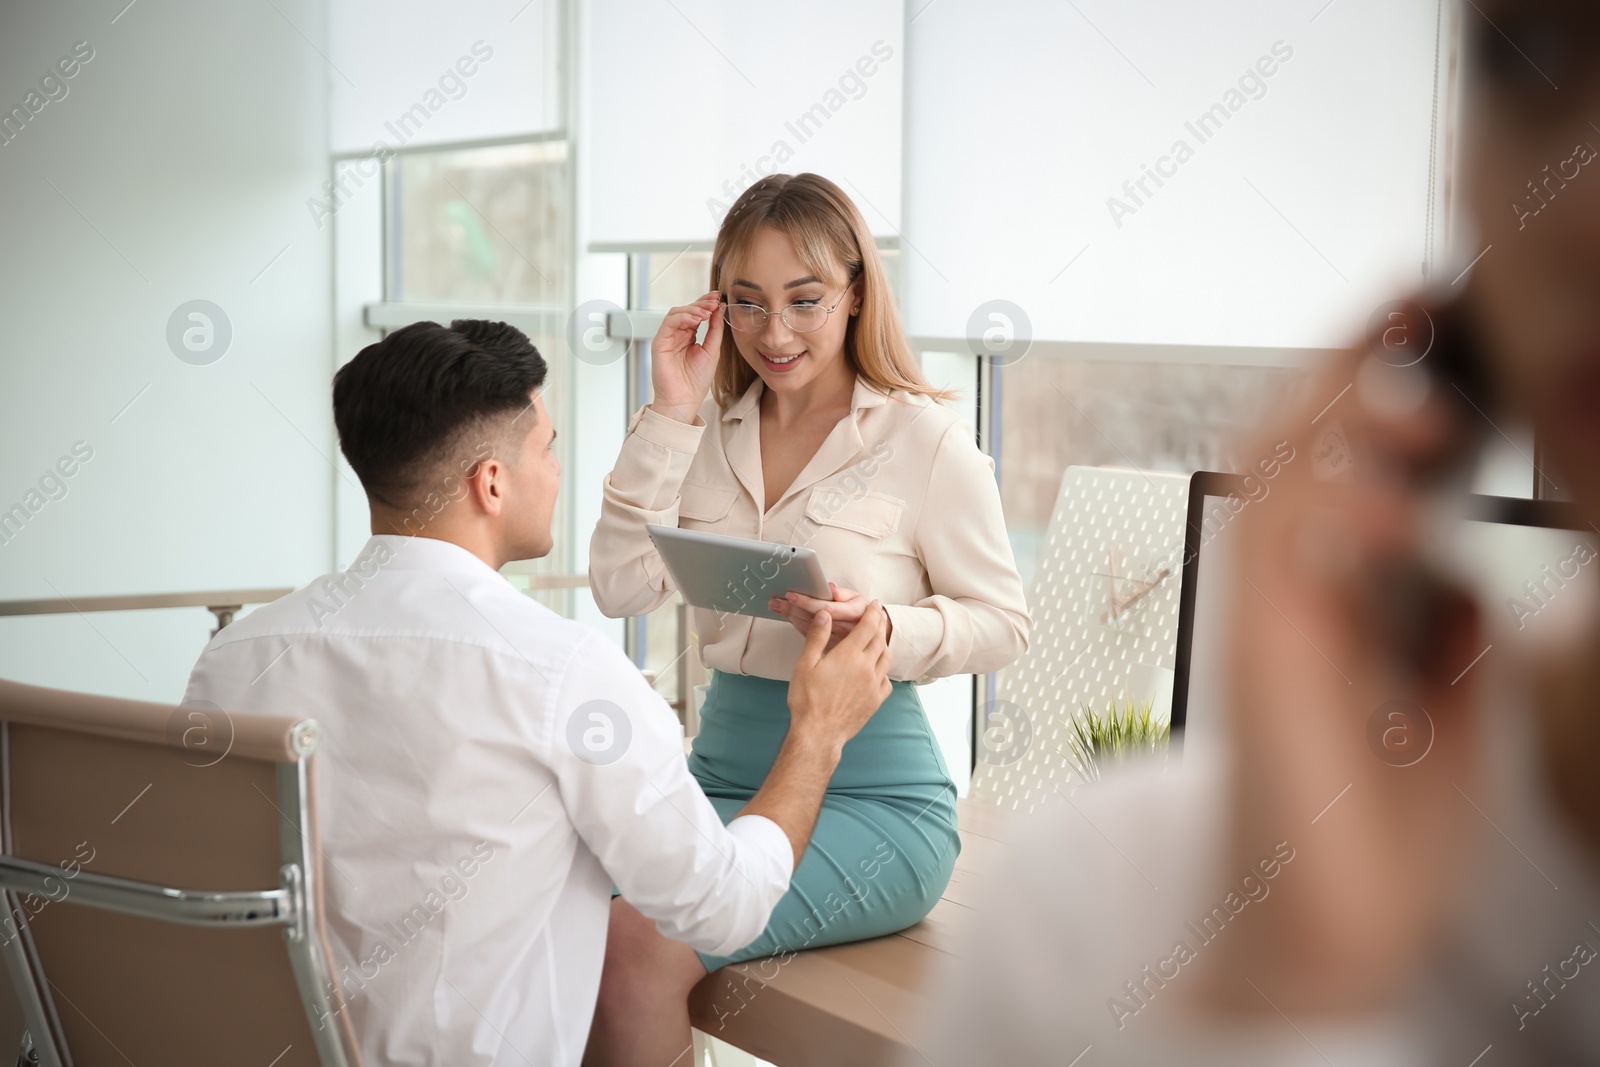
(1054, 413)
(486, 232)
(480, 225)
(658, 281)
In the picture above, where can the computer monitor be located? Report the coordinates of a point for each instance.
(1533, 565)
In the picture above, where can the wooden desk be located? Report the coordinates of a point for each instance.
(855, 1004)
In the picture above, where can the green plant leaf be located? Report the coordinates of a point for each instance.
(1125, 731)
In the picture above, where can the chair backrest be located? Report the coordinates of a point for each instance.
(1105, 617)
(162, 884)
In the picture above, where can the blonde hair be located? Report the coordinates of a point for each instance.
(827, 231)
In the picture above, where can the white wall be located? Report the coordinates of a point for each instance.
(1286, 226)
(187, 147)
(697, 99)
(357, 230)
(419, 72)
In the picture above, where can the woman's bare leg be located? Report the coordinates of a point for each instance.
(641, 1018)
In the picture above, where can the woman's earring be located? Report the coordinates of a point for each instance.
(855, 311)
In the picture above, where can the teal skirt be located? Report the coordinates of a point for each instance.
(885, 841)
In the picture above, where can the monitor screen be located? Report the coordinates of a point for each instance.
(1533, 566)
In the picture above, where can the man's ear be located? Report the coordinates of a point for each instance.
(485, 484)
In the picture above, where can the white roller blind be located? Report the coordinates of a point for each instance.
(693, 100)
(1289, 214)
(413, 72)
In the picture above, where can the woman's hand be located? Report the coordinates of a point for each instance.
(845, 609)
(681, 370)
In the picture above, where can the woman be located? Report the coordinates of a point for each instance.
(804, 419)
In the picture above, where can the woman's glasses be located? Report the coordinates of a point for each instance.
(801, 318)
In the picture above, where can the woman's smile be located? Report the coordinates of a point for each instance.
(780, 361)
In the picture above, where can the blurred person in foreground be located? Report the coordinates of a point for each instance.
(1289, 896)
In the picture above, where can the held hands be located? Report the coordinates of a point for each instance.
(834, 692)
(681, 370)
(845, 610)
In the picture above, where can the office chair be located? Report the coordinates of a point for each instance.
(161, 883)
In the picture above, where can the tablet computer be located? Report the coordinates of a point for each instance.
(735, 575)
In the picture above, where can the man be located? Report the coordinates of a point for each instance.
(489, 768)
(1323, 894)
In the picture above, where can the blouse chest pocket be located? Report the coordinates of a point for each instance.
(872, 515)
(702, 504)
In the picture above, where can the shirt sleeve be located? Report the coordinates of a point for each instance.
(977, 619)
(626, 574)
(617, 752)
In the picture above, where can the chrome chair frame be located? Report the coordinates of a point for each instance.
(292, 905)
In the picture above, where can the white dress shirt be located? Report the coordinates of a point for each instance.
(487, 770)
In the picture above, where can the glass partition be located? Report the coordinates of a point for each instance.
(488, 225)
(491, 226)
(1054, 413)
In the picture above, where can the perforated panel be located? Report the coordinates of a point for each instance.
(1111, 535)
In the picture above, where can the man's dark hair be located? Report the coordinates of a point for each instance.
(405, 406)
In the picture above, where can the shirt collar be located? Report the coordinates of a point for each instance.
(862, 396)
(406, 552)
(745, 404)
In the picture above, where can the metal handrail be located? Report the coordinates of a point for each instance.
(191, 907)
(539, 580)
(640, 324)
(533, 319)
(223, 603)
(226, 603)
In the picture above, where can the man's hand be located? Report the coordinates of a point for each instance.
(831, 696)
(833, 693)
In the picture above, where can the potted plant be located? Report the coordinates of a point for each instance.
(1127, 730)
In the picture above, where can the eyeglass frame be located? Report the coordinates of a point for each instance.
(728, 305)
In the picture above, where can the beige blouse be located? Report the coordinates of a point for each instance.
(898, 504)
